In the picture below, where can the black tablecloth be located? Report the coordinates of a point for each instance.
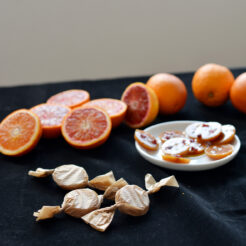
(208, 209)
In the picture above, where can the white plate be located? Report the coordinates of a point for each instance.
(197, 163)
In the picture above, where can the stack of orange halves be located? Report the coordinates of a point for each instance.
(83, 123)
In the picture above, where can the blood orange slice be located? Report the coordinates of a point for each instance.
(176, 146)
(166, 135)
(176, 159)
(219, 151)
(116, 109)
(146, 140)
(51, 117)
(70, 98)
(196, 148)
(143, 105)
(86, 127)
(227, 135)
(204, 131)
(19, 132)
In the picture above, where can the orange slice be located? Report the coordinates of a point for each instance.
(204, 131)
(175, 159)
(20, 131)
(116, 109)
(195, 148)
(51, 117)
(176, 146)
(86, 127)
(70, 98)
(166, 135)
(219, 151)
(146, 140)
(227, 135)
(142, 105)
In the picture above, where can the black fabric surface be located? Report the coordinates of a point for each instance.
(208, 209)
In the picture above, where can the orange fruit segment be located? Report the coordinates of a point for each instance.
(175, 159)
(51, 117)
(170, 90)
(204, 131)
(176, 146)
(238, 92)
(70, 98)
(146, 140)
(227, 135)
(166, 135)
(116, 109)
(142, 104)
(219, 151)
(20, 131)
(211, 84)
(86, 127)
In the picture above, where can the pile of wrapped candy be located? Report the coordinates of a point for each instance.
(83, 202)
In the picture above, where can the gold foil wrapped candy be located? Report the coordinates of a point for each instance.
(130, 199)
(70, 177)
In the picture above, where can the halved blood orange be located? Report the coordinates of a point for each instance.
(86, 127)
(70, 98)
(20, 131)
(51, 116)
(146, 140)
(143, 105)
(116, 109)
(219, 151)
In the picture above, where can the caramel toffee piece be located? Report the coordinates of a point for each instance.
(76, 203)
(79, 202)
(102, 182)
(70, 177)
(132, 200)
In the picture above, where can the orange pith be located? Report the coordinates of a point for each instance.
(86, 127)
(19, 132)
(116, 109)
(51, 116)
(142, 105)
(211, 84)
(70, 98)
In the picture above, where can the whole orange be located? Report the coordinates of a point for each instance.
(170, 90)
(211, 84)
(238, 93)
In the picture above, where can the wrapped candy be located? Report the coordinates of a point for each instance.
(79, 202)
(76, 203)
(130, 199)
(70, 177)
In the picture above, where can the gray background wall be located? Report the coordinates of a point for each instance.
(56, 40)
